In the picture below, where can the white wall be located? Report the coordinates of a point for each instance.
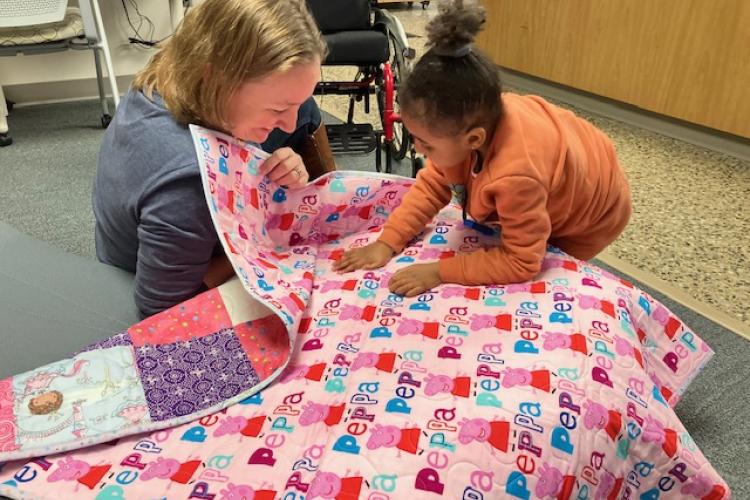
(64, 67)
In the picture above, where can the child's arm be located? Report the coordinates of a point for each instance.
(429, 194)
(522, 209)
(424, 200)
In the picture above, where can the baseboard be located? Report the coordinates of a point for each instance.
(695, 134)
(707, 311)
(29, 94)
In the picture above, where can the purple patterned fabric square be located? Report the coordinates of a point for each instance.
(186, 377)
(113, 341)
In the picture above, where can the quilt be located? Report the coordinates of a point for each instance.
(294, 382)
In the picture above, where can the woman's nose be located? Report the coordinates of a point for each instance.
(288, 121)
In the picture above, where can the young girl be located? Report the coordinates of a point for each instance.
(519, 165)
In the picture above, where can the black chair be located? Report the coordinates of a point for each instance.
(360, 34)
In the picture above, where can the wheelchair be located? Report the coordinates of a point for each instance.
(361, 34)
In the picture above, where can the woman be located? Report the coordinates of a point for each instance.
(244, 67)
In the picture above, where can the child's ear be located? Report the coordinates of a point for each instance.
(476, 137)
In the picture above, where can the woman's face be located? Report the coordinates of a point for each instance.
(271, 102)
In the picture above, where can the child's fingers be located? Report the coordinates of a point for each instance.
(373, 264)
(344, 260)
(401, 275)
(398, 287)
(347, 257)
(343, 266)
(344, 269)
(346, 264)
(393, 284)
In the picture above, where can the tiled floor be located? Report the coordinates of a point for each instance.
(691, 220)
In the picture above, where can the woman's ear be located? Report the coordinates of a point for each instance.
(476, 137)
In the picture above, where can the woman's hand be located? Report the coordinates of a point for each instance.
(285, 168)
(415, 279)
(372, 256)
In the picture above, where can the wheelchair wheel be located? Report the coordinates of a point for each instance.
(401, 138)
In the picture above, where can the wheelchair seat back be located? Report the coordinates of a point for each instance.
(349, 33)
(341, 15)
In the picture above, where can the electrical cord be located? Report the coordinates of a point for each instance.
(138, 38)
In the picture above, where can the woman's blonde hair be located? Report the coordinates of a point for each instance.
(222, 44)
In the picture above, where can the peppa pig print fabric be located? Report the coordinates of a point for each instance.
(294, 382)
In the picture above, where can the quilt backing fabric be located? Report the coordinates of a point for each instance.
(294, 382)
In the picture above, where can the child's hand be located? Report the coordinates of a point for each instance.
(372, 256)
(415, 279)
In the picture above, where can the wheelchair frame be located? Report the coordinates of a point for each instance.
(381, 80)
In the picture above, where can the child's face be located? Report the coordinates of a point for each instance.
(444, 151)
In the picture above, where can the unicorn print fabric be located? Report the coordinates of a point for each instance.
(294, 382)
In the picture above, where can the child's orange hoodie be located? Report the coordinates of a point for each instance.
(548, 176)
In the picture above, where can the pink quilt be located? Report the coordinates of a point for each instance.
(294, 382)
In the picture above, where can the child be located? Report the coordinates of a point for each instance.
(517, 163)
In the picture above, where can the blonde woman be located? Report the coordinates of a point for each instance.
(245, 67)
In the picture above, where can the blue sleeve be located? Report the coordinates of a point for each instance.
(176, 240)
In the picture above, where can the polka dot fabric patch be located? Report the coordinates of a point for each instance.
(202, 315)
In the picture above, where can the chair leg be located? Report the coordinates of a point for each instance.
(105, 49)
(3, 113)
(350, 113)
(5, 139)
(100, 82)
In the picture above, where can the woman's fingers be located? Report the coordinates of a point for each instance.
(285, 167)
(277, 158)
(290, 179)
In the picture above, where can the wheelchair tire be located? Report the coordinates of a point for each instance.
(402, 140)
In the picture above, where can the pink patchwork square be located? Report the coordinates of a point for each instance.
(266, 342)
(195, 318)
(7, 417)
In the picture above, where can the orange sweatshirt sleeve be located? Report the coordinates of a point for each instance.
(521, 204)
(429, 194)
